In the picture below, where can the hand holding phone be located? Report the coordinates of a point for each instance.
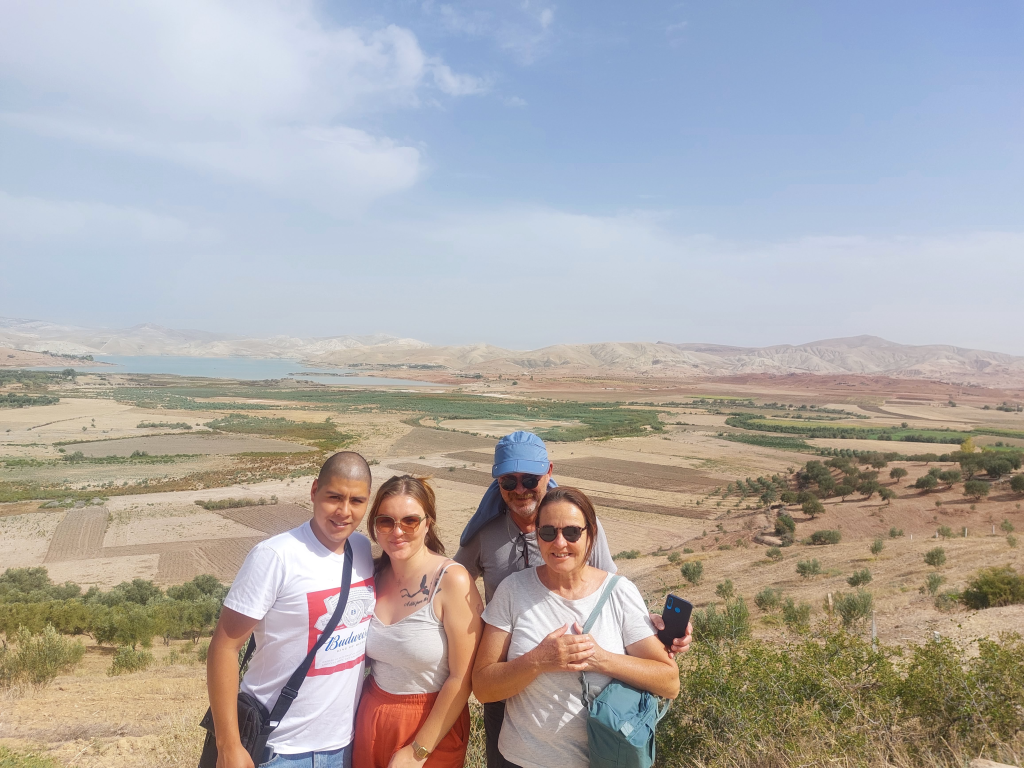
(676, 616)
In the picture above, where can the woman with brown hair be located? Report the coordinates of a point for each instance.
(421, 641)
(533, 647)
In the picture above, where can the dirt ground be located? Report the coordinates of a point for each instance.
(654, 494)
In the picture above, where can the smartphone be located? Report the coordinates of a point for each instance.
(677, 616)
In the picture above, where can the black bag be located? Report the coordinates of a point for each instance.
(255, 723)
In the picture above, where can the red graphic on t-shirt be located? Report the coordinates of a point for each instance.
(345, 647)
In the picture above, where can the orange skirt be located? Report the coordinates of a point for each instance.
(386, 722)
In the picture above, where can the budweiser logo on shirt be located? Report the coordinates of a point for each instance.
(346, 645)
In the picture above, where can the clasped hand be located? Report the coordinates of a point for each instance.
(562, 652)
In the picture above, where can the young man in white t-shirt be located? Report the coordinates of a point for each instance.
(285, 593)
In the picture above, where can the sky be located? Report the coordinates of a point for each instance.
(518, 173)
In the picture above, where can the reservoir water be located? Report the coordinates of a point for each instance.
(242, 368)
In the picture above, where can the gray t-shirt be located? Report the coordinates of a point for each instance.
(546, 723)
(501, 549)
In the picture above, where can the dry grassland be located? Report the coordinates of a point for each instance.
(654, 494)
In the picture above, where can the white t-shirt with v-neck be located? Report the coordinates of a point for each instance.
(291, 584)
(546, 723)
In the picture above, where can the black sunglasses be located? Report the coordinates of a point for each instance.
(511, 482)
(570, 533)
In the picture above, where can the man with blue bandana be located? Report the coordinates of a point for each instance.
(501, 539)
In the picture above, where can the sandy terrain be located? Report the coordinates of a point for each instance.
(25, 538)
(143, 527)
(205, 444)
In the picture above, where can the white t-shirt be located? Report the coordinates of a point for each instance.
(546, 723)
(291, 583)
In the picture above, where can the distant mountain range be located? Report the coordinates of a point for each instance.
(867, 355)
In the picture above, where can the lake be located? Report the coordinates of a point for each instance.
(242, 368)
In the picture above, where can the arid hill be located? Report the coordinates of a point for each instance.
(865, 355)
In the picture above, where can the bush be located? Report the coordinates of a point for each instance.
(947, 601)
(826, 537)
(859, 578)
(976, 489)
(796, 616)
(812, 508)
(808, 568)
(768, 599)
(877, 546)
(855, 607)
(936, 558)
(627, 554)
(933, 582)
(945, 532)
(127, 660)
(993, 587)
(1011, 541)
(927, 483)
(1006, 526)
(725, 590)
(37, 659)
(774, 554)
(895, 533)
(785, 528)
(1017, 483)
(674, 557)
(733, 623)
(693, 571)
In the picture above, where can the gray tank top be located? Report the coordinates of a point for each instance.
(411, 655)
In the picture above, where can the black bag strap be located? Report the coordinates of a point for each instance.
(291, 688)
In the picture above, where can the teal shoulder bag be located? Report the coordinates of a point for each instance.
(621, 719)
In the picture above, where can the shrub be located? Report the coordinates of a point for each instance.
(693, 571)
(859, 578)
(945, 532)
(877, 546)
(936, 558)
(895, 533)
(808, 568)
(785, 528)
(796, 616)
(947, 601)
(627, 554)
(993, 587)
(854, 607)
(733, 623)
(826, 537)
(725, 589)
(37, 659)
(1017, 484)
(812, 508)
(674, 557)
(976, 489)
(1006, 526)
(768, 599)
(687, 551)
(127, 660)
(774, 554)
(1011, 541)
(933, 582)
(927, 483)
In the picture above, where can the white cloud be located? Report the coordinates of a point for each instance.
(261, 90)
(515, 101)
(523, 29)
(33, 220)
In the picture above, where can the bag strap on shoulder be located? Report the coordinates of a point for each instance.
(291, 688)
(588, 697)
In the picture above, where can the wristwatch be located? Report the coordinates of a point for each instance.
(419, 752)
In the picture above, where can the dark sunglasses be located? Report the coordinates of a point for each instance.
(408, 524)
(511, 482)
(570, 533)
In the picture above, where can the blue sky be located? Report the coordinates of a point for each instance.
(520, 173)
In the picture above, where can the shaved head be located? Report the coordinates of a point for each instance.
(347, 465)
